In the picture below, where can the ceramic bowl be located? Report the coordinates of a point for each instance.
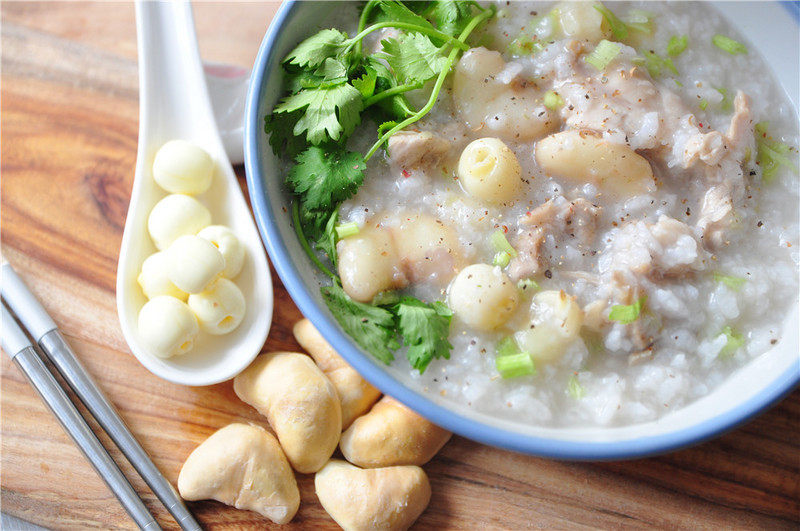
(764, 380)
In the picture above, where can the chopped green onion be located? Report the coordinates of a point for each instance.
(726, 104)
(525, 45)
(729, 45)
(678, 82)
(500, 244)
(618, 28)
(639, 20)
(771, 155)
(734, 343)
(507, 347)
(655, 63)
(515, 365)
(552, 100)
(734, 283)
(703, 104)
(677, 45)
(527, 285)
(501, 259)
(575, 388)
(626, 314)
(603, 54)
(347, 229)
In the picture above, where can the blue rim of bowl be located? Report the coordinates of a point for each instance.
(440, 415)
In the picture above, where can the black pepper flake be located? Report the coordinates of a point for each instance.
(759, 224)
(548, 273)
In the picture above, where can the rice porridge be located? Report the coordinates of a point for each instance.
(606, 201)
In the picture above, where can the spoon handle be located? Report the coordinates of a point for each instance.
(172, 85)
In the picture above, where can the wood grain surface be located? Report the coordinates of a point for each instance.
(69, 131)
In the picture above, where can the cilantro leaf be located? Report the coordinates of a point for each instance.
(413, 58)
(329, 112)
(393, 11)
(451, 16)
(279, 127)
(396, 106)
(327, 242)
(366, 83)
(370, 326)
(626, 314)
(330, 73)
(324, 177)
(425, 329)
(313, 51)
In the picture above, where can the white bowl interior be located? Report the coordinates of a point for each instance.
(768, 27)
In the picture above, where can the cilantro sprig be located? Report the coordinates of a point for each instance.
(332, 84)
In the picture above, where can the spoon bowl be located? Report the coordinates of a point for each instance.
(174, 104)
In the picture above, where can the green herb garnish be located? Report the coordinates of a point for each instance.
(515, 365)
(729, 45)
(726, 104)
(424, 328)
(347, 229)
(574, 388)
(371, 327)
(603, 54)
(552, 100)
(734, 283)
(677, 45)
(501, 245)
(771, 155)
(734, 342)
(618, 28)
(511, 362)
(655, 64)
(527, 285)
(501, 259)
(626, 314)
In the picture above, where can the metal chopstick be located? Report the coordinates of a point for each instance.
(18, 346)
(44, 331)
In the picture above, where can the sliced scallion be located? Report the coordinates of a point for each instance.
(515, 365)
(574, 388)
(501, 259)
(729, 45)
(639, 20)
(507, 346)
(771, 155)
(726, 104)
(703, 104)
(500, 244)
(527, 285)
(655, 64)
(734, 283)
(618, 28)
(603, 54)
(347, 229)
(552, 100)
(626, 314)
(735, 341)
(677, 45)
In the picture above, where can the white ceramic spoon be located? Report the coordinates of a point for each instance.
(174, 103)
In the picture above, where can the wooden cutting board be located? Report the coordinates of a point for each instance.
(69, 130)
